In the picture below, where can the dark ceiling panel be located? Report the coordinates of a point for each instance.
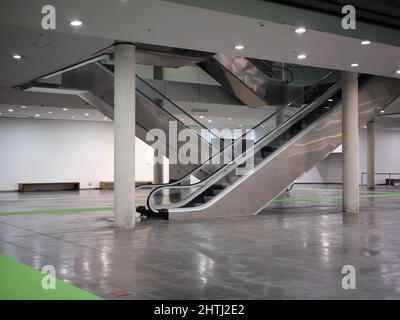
(385, 13)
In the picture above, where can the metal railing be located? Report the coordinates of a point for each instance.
(388, 174)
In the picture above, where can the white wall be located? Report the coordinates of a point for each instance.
(37, 150)
(387, 159)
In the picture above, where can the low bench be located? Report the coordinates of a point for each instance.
(392, 182)
(48, 186)
(109, 185)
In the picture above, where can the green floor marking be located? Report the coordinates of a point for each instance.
(55, 211)
(334, 198)
(315, 189)
(21, 282)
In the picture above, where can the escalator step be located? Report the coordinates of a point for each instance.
(217, 191)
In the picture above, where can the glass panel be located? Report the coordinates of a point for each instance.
(176, 112)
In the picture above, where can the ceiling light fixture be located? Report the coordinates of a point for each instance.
(72, 117)
(382, 111)
(354, 65)
(87, 114)
(76, 23)
(300, 30)
(330, 100)
(239, 47)
(17, 56)
(365, 42)
(37, 115)
(201, 117)
(301, 56)
(209, 121)
(23, 107)
(10, 110)
(50, 112)
(398, 71)
(65, 109)
(40, 44)
(229, 118)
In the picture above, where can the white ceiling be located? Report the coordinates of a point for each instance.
(170, 24)
(51, 113)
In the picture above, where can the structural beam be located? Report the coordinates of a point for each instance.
(350, 133)
(124, 136)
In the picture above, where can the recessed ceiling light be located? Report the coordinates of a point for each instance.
(65, 109)
(17, 56)
(37, 115)
(23, 107)
(365, 127)
(398, 71)
(40, 44)
(201, 117)
(10, 110)
(229, 118)
(365, 42)
(0, 113)
(87, 114)
(301, 56)
(209, 121)
(240, 125)
(72, 117)
(330, 100)
(382, 111)
(76, 23)
(50, 112)
(354, 65)
(300, 30)
(239, 47)
(105, 118)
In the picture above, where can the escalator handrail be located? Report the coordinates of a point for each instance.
(328, 93)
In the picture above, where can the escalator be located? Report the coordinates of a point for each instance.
(286, 145)
(94, 83)
(260, 83)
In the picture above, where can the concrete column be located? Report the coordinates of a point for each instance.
(158, 168)
(371, 155)
(124, 136)
(350, 155)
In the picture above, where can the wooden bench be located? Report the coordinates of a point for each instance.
(392, 182)
(109, 185)
(48, 186)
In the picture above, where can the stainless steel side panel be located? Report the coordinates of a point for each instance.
(243, 80)
(250, 194)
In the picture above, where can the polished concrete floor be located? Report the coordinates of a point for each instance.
(294, 250)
